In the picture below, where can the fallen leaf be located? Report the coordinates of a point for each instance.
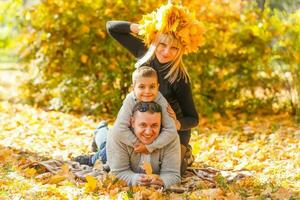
(213, 193)
(56, 179)
(91, 184)
(29, 172)
(233, 196)
(282, 194)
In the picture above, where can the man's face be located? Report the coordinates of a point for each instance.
(146, 126)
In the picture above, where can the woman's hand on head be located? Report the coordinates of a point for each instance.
(134, 28)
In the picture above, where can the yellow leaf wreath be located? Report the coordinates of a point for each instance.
(176, 20)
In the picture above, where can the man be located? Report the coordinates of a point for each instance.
(127, 165)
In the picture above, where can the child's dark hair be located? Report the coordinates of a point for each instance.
(143, 71)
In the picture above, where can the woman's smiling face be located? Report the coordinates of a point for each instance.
(167, 49)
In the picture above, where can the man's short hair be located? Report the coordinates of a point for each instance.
(151, 107)
(142, 72)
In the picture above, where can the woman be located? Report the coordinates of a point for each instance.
(165, 56)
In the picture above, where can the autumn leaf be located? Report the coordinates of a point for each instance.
(91, 184)
(101, 33)
(282, 193)
(85, 29)
(147, 167)
(29, 172)
(56, 179)
(213, 193)
(84, 58)
(146, 193)
(65, 169)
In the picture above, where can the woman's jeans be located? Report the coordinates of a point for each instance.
(100, 139)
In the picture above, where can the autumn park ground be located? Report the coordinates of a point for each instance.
(268, 146)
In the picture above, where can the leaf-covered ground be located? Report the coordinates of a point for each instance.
(266, 145)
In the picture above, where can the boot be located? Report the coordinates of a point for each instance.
(190, 158)
(183, 165)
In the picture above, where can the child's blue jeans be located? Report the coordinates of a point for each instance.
(100, 139)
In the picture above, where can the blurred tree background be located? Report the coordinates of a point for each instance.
(249, 62)
(9, 29)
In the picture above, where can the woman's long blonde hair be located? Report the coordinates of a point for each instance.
(177, 69)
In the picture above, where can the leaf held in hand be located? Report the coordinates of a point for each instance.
(147, 167)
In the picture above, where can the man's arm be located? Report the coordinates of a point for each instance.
(170, 167)
(118, 161)
(168, 131)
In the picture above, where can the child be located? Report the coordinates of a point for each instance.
(145, 88)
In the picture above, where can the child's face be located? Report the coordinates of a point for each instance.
(146, 88)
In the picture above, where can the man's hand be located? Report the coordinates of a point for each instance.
(172, 114)
(157, 182)
(152, 180)
(144, 180)
(140, 148)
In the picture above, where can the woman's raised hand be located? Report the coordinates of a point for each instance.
(134, 28)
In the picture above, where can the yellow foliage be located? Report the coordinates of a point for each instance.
(271, 152)
(91, 184)
(56, 179)
(101, 33)
(5, 156)
(29, 172)
(143, 193)
(213, 193)
(85, 29)
(176, 20)
(84, 58)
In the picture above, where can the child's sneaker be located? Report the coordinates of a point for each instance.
(101, 124)
(84, 160)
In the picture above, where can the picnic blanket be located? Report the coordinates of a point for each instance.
(74, 171)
